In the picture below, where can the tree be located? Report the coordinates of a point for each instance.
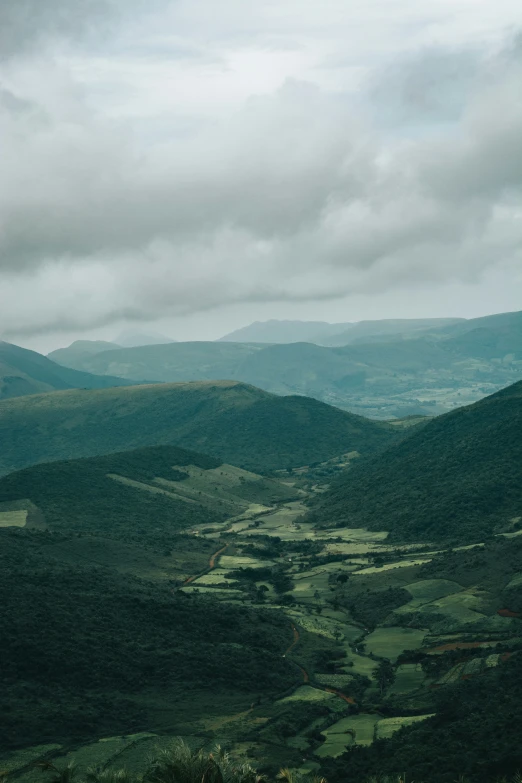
(384, 675)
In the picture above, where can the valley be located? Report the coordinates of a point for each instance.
(369, 629)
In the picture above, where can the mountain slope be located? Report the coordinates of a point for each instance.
(90, 652)
(171, 362)
(232, 421)
(146, 496)
(27, 372)
(275, 331)
(458, 477)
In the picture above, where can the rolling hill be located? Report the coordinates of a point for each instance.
(234, 422)
(429, 373)
(27, 372)
(456, 478)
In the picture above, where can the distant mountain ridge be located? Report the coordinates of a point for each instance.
(323, 333)
(25, 372)
(423, 372)
(232, 421)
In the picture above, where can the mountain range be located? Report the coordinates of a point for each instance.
(323, 333)
(415, 372)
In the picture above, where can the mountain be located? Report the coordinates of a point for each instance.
(274, 331)
(133, 339)
(323, 333)
(171, 362)
(27, 372)
(456, 478)
(428, 373)
(239, 424)
(79, 348)
(388, 330)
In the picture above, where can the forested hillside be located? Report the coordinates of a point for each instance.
(234, 422)
(457, 477)
(27, 372)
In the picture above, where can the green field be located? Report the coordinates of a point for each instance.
(408, 677)
(391, 642)
(13, 518)
(388, 726)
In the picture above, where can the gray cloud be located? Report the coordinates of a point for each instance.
(297, 194)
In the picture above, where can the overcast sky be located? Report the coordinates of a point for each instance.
(189, 166)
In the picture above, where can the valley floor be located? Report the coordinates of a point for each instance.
(374, 630)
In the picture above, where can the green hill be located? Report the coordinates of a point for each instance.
(146, 496)
(27, 372)
(234, 422)
(457, 477)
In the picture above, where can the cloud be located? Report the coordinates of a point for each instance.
(298, 193)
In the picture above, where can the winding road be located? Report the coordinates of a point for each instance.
(306, 676)
(211, 565)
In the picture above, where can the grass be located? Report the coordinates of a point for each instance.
(391, 566)
(408, 677)
(307, 693)
(388, 726)
(13, 518)
(390, 642)
(362, 728)
(18, 759)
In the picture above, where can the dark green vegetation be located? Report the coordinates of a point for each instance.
(146, 496)
(458, 477)
(87, 651)
(27, 372)
(475, 733)
(231, 421)
(381, 369)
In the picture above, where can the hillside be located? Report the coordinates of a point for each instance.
(457, 477)
(234, 422)
(385, 375)
(103, 652)
(146, 496)
(27, 372)
(171, 362)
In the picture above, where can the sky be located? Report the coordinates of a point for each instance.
(187, 166)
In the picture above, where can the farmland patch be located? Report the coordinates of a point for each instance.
(391, 642)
